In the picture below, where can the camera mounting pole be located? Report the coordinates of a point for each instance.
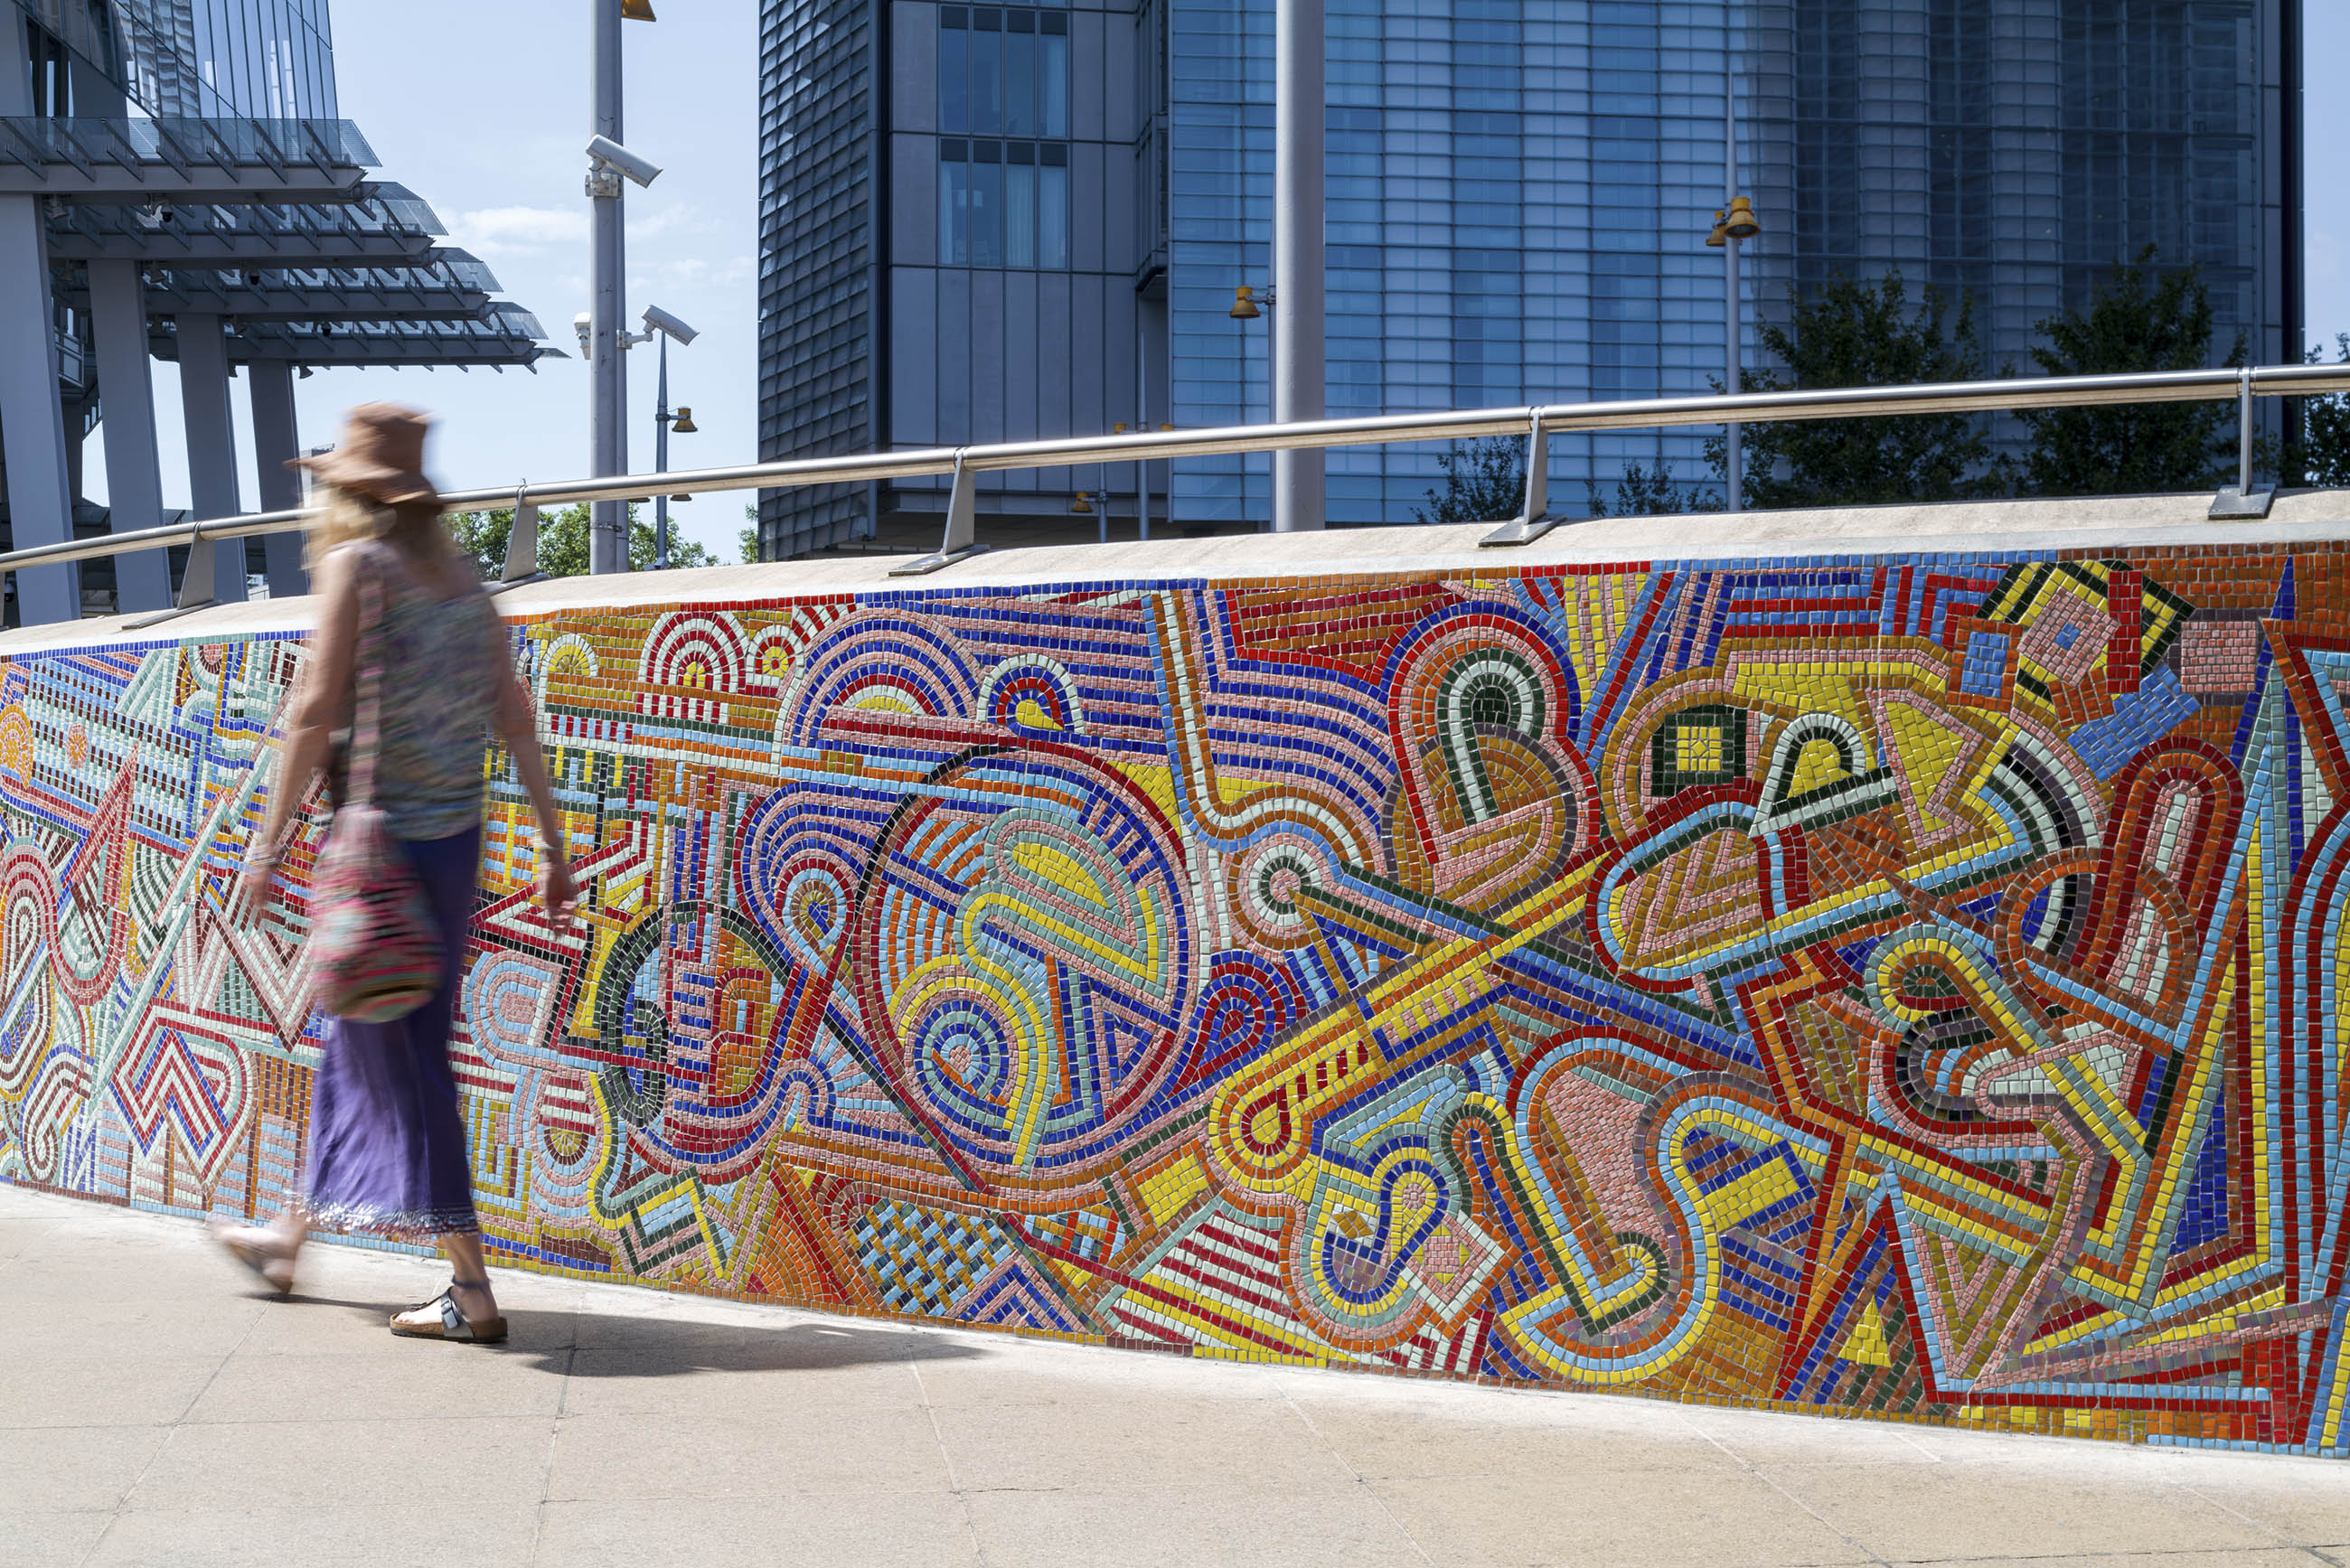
(607, 549)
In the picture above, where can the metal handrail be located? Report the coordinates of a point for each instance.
(1536, 423)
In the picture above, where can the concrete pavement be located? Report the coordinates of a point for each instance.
(151, 1412)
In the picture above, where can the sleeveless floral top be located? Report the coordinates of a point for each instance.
(442, 662)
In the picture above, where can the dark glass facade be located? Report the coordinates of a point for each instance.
(818, 336)
(951, 249)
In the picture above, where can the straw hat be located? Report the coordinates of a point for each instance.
(381, 456)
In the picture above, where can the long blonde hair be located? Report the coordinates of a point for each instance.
(341, 516)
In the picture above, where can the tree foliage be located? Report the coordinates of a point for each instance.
(2138, 319)
(1855, 334)
(562, 535)
(1652, 492)
(2321, 455)
(1484, 482)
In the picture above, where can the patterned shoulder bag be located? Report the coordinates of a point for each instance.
(375, 948)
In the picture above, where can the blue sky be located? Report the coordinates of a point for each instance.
(482, 107)
(2327, 196)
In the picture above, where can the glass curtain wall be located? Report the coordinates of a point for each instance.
(1518, 195)
(263, 59)
(217, 59)
(1519, 192)
(1003, 78)
(816, 296)
(2014, 150)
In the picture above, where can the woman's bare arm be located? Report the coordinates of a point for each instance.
(517, 727)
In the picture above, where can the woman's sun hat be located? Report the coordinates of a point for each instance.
(381, 456)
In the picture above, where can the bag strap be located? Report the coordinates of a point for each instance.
(369, 657)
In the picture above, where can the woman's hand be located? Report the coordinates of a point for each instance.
(256, 884)
(557, 894)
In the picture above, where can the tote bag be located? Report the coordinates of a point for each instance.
(375, 948)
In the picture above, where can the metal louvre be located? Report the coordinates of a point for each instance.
(112, 159)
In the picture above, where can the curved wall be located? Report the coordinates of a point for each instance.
(1883, 982)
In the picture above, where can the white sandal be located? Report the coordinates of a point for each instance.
(449, 1320)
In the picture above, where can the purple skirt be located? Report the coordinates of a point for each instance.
(386, 1141)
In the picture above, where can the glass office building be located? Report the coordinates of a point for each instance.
(1518, 193)
(211, 59)
(950, 247)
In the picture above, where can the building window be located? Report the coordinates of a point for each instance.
(1003, 71)
(1002, 203)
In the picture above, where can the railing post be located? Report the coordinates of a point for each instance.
(2241, 500)
(961, 539)
(521, 542)
(2244, 433)
(196, 582)
(1533, 519)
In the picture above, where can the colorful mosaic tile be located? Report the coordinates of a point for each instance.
(1901, 986)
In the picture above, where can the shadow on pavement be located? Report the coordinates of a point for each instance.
(626, 1346)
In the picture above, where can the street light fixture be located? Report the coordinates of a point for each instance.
(1094, 504)
(660, 324)
(1735, 222)
(1246, 298)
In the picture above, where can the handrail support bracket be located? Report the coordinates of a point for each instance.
(961, 540)
(1534, 519)
(196, 591)
(2239, 499)
(521, 544)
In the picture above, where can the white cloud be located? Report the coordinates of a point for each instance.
(516, 231)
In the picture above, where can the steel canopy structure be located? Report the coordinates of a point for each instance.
(506, 334)
(378, 224)
(447, 285)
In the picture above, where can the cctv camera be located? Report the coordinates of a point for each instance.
(660, 321)
(612, 155)
(582, 322)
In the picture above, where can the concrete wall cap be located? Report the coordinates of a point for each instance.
(2298, 517)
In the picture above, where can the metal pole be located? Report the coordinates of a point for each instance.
(134, 472)
(608, 535)
(1297, 331)
(32, 419)
(660, 462)
(1141, 423)
(211, 428)
(276, 439)
(1734, 468)
(2244, 435)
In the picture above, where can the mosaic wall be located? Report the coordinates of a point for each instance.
(1897, 987)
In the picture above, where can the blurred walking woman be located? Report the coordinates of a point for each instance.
(386, 1140)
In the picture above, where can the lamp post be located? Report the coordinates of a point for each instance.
(1299, 98)
(660, 324)
(1733, 222)
(1250, 303)
(609, 163)
(1095, 502)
